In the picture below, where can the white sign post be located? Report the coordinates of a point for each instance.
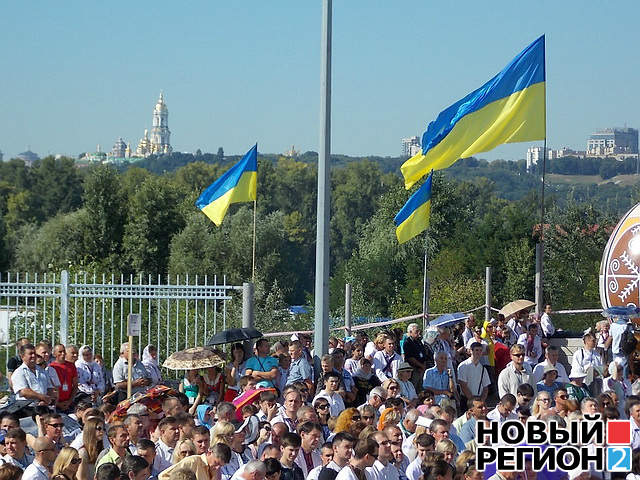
(133, 330)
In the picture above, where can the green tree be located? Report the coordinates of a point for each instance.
(57, 187)
(153, 219)
(519, 263)
(57, 244)
(106, 209)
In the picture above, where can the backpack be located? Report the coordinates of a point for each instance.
(628, 341)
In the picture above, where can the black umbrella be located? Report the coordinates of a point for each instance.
(234, 335)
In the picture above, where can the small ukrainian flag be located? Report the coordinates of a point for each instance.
(238, 184)
(413, 218)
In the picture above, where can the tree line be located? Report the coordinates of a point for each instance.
(54, 216)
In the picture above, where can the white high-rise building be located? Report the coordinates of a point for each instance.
(410, 146)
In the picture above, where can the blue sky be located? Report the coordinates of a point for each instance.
(76, 73)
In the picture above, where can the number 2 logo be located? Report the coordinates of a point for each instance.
(619, 459)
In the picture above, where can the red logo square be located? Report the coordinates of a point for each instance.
(618, 432)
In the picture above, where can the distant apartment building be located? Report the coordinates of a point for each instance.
(618, 142)
(410, 146)
(535, 154)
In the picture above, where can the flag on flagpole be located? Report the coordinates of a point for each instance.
(509, 108)
(413, 218)
(238, 184)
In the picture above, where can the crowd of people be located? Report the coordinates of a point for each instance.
(398, 406)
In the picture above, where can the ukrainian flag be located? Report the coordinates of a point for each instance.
(413, 218)
(509, 108)
(238, 184)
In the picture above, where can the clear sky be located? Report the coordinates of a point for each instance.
(80, 73)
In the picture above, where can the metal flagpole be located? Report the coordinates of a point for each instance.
(425, 294)
(540, 246)
(321, 328)
(253, 267)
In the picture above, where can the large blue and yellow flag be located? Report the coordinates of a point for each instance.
(413, 218)
(509, 108)
(238, 184)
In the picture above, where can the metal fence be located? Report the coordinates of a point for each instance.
(177, 312)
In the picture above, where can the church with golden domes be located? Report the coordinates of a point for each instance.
(155, 143)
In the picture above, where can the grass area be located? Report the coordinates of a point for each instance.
(622, 180)
(573, 179)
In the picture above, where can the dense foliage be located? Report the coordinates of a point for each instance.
(142, 219)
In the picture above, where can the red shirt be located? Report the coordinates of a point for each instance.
(66, 373)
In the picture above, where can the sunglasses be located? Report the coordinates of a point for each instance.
(517, 355)
(393, 387)
(75, 461)
(56, 425)
(355, 418)
(545, 399)
(367, 417)
(324, 406)
(563, 397)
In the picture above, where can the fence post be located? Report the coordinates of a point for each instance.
(248, 317)
(487, 294)
(539, 266)
(64, 306)
(347, 309)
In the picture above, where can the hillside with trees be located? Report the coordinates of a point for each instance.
(141, 219)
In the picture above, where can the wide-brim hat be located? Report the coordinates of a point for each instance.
(404, 366)
(577, 372)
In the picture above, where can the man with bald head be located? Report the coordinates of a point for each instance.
(45, 452)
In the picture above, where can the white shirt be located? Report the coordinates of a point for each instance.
(407, 390)
(616, 330)
(380, 362)
(37, 380)
(586, 359)
(474, 376)
(538, 371)
(89, 377)
(316, 458)
(536, 353)
(510, 379)
(315, 473)
(369, 350)
(346, 474)
(289, 422)
(334, 466)
(414, 470)
(547, 325)
(635, 435)
(164, 454)
(494, 416)
(35, 471)
(408, 448)
(382, 472)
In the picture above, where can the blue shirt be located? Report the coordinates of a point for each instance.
(436, 380)
(262, 364)
(299, 370)
(468, 430)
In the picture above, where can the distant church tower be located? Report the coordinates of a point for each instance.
(160, 133)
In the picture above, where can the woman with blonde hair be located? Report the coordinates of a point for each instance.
(448, 449)
(345, 419)
(392, 387)
(541, 405)
(222, 432)
(184, 449)
(376, 345)
(92, 445)
(389, 417)
(66, 465)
